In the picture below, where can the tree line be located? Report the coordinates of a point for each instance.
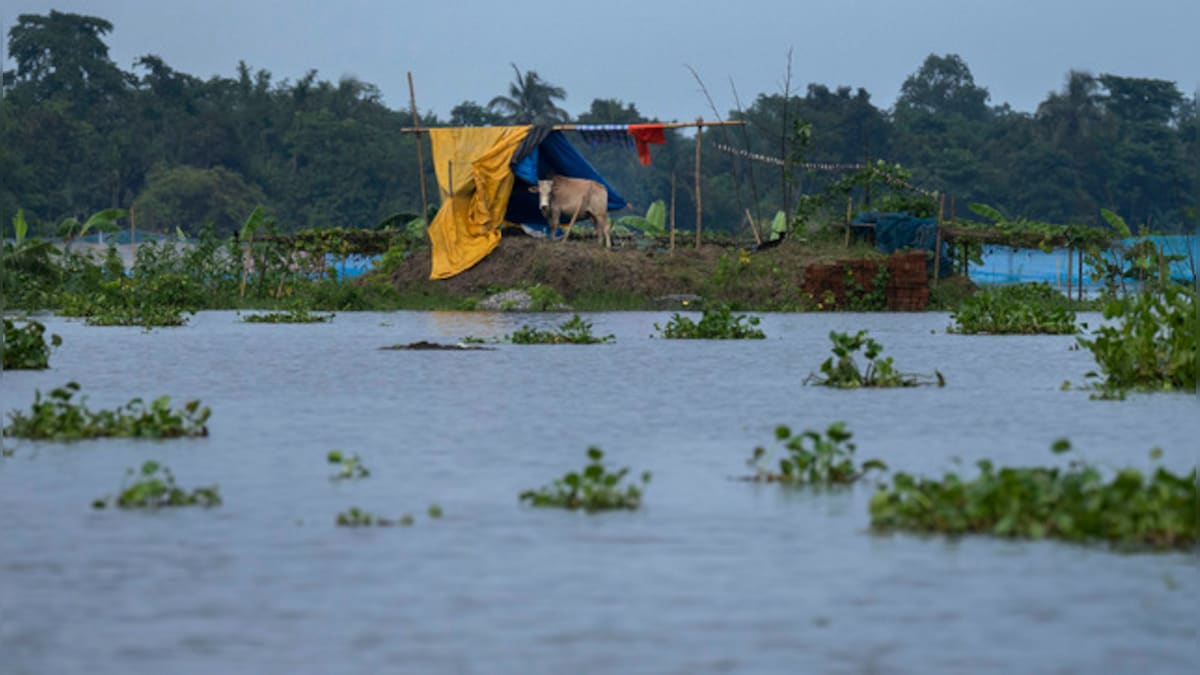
(79, 134)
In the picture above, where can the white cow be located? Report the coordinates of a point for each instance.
(578, 196)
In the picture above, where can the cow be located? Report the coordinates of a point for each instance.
(578, 196)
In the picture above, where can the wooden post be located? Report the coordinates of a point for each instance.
(937, 242)
(671, 249)
(753, 229)
(132, 237)
(699, 204)
(849, 211)
(412, 99)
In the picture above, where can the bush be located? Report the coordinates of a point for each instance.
(813, 458)
(25, 348)
(840, 370)
(718, 323)
(1025, 309)
(1075, 504)
(592, 489)
(1152, 344)
(57, 418)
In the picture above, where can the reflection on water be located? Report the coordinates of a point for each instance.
(712, 575)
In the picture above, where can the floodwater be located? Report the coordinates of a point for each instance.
(712, 575)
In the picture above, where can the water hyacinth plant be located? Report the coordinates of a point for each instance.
(595, 488)
(813, 458)
(349, 467)
(1076, 504)
(25, 347)
(356, 517)
(840, 370)
(575, 331)
(1019, 309)
(717, 323)
(293, 315)
(56, 417)
(154, 487)
(1150, 345)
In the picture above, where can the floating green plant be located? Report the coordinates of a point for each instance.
(25, 346)
(594, 488)
(154, 487)
(1023, 309)
(294, 315)
(576, 331)
(813, 458)
(717, 323)
(1150, 344)
(56, 417)
(1076, 504)
(349, 467)
(840, 370)
(356, 517)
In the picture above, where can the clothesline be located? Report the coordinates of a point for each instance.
(817, 166)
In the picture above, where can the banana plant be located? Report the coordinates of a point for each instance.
(653, 223)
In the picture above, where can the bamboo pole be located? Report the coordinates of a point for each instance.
(937, 242)
(700, 122)
(132, 236)
(849, 210)
(412, 100)
(671, 250)
(699, 203)
(1080, 258)
(753, 229)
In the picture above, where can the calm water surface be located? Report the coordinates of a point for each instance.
(712, 575)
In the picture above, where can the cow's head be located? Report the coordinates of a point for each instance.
(543, 190)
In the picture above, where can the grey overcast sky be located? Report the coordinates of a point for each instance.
(636, 50)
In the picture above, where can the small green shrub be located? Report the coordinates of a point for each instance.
(293, 315)
(1075, 504)
(155, 488)
(874, 299)
(544, 299)
(575, 330)
(349, 467)
(717, 323)
(1025, 309)
(813, 458)
(594, 488)
(840, 370)
(1151, 345)
(25, 347)
(57, 418)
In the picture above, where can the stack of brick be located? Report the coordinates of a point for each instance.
(907, 285)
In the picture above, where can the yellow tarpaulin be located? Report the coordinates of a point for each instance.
(475, 182)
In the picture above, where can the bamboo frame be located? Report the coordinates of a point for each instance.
(699, 123)
(671, 250)
(699, 204)
(412, 100)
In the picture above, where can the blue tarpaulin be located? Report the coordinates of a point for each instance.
(901, 231)
(553, 156)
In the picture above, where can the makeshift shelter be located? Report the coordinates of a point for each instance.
(484, 177)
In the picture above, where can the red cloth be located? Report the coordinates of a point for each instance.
(643, 135)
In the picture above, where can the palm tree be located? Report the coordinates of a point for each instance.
(530, 100)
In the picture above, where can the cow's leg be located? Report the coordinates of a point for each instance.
(603, 229)
(573, 219)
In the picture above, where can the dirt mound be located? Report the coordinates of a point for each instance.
(572, 268)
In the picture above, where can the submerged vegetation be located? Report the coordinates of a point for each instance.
(154, 487)
(25, 347)
(1075, 503)
(595, 488)
(356, 517)
(293, 315)
(1024, 309)
(813, 458)
(574, 331)
(56, 417)
(349, 467)
(717, 323)
(841, 370)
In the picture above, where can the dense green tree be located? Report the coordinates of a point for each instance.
(187, 197)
